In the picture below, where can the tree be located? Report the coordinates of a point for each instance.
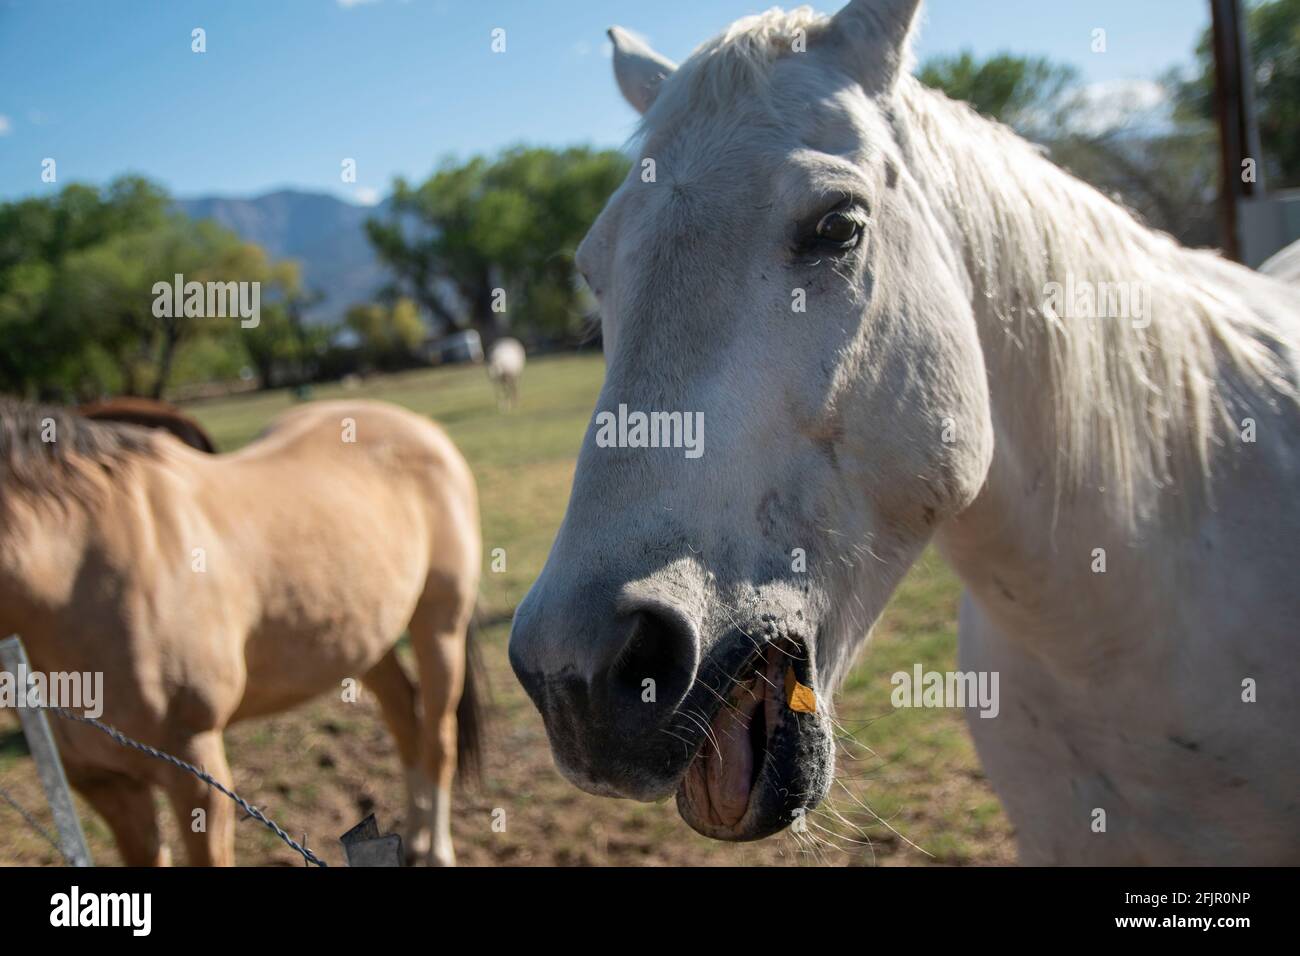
(25, 358)
(389, 335)
(77, 274)
(282, 341)
(36, 237)
(48, 230)
(106, 295)
(1273, 29)
(475, 231)
(426, 242)
(1023, 92)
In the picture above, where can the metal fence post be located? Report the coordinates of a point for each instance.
(36, 728)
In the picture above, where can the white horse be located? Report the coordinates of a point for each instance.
(505, 364)
(900, 322)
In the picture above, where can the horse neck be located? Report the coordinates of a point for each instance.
(49, 512)
(38, 559)
(1079, 458)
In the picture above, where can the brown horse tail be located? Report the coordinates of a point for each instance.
(470, 714)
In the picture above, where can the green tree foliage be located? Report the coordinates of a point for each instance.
(389, 336)
(77, 277)
(36, 237)
(47, 230)
(1023, 92)
(513, 224)
(283, 348)
(106, 294)
(1273, 29)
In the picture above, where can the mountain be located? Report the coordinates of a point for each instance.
(325, 234)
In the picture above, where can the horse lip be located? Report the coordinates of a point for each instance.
(766, 812)
(706, 702)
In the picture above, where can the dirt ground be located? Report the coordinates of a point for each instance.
(317, 770)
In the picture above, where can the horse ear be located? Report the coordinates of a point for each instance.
(873, 35)
(639, 70)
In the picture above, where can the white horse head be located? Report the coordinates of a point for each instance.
(838, 278)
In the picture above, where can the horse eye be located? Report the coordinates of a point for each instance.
(838, 227)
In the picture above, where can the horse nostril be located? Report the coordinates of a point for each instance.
(656, 664)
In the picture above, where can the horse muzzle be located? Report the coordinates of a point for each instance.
(639, 710)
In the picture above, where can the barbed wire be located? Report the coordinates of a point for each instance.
(33, 823)
(203, 775)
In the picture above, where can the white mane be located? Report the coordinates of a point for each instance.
(1138, 407)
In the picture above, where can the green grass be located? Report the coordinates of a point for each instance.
(914, 769)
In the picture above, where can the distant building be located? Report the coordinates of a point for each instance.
(1267, 224)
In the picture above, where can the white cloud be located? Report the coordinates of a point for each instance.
(349, 4)
(6, 127)
(366, 195)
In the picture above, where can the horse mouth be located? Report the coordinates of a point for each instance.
(766, 758)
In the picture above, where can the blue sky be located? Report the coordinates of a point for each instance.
(289, 88)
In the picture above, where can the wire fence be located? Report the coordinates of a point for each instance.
(129, 742)
(363, 845)
(123, 740)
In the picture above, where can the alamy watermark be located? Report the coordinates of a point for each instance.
(651, 430)
(209, 300)
(133, 911)
(72, 690)
(922, 688)
(1083, 299)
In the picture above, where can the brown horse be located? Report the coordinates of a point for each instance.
(211, 588)
(151, 413)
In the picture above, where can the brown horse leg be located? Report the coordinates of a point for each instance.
(127, 807)
(389, 682)
(209, 836)
(438, 635)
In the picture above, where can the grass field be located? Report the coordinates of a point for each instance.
(910, 790)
